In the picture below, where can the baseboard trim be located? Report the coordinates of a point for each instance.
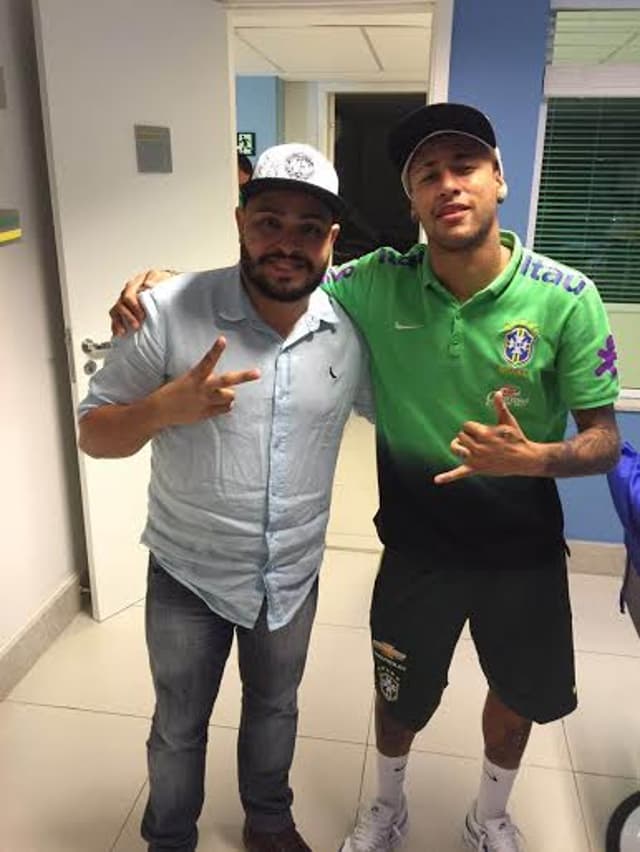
(587, 557)
(21, 654)
(597, 557)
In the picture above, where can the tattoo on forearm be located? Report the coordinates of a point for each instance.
(595, 449)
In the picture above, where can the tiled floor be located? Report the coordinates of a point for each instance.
(72, 733)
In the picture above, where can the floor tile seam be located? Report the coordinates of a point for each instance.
(212, 724)
(74, 708)
(110, 713)
(340, 740)
(129, 815)
(534, 764)
(608, 654)
(581, 651)
(583, 815)
(367, 746)
(588, 774)
(361, 628)
(578, 774)
(567, 740)
(311, 737)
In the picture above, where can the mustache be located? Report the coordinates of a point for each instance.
(280, 255)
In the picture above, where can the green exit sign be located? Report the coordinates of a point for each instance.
(246, 144)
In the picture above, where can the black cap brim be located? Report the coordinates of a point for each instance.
(336, 205)
(436, 119)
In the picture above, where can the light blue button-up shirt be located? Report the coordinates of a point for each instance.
(239, 503)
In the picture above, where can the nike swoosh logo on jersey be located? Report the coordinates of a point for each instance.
(402, 327)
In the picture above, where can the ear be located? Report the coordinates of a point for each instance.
(502, 189)
(240, 216)
(334, 233)
(414, 216)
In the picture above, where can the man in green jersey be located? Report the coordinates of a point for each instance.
(479, 349)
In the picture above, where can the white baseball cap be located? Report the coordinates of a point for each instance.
(299, 167)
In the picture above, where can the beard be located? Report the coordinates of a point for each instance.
(253, 273)
(463, 242)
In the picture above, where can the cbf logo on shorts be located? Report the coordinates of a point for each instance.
(389, 669)
(389, 683)
(519, 344)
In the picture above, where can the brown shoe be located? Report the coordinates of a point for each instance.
(281, 841)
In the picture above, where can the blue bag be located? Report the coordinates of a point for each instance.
(624, 484)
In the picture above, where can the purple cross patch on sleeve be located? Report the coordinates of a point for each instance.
(608, 356)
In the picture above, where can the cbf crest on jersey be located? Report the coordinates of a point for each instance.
(519, 344)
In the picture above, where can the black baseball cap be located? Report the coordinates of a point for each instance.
(414, 129)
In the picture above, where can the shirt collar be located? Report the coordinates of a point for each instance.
(512, 242)
(233, 304)
(321, 309)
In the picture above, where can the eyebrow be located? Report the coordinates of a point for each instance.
(278, 211)
(467, 154)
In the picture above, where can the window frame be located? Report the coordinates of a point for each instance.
(581, 81)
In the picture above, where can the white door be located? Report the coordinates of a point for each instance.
(105, 67)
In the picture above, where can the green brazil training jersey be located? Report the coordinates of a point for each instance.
(539, 332)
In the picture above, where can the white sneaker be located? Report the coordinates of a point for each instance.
(379, 828)
(495, 835)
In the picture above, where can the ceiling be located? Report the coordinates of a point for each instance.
(349, 43)
(363, 40)
(597, 38)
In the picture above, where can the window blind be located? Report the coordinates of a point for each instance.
(589, 200)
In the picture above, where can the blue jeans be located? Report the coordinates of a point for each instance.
(188, 648)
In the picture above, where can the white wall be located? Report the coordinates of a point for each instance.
(106, 67)
(301, 113)
(40, 525)
(152, 61)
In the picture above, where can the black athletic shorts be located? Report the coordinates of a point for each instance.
(520, 621)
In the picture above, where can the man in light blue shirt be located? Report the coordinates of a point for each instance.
(241, 475)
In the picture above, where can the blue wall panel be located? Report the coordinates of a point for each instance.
(498, 55)
(589, 512)
(258, 108)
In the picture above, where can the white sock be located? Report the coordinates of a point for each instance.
(391, 772)
(495, 787)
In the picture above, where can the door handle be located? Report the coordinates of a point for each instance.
(95, 350)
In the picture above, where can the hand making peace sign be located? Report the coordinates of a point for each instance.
(200, 392)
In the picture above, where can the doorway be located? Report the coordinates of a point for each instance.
(379, 210)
